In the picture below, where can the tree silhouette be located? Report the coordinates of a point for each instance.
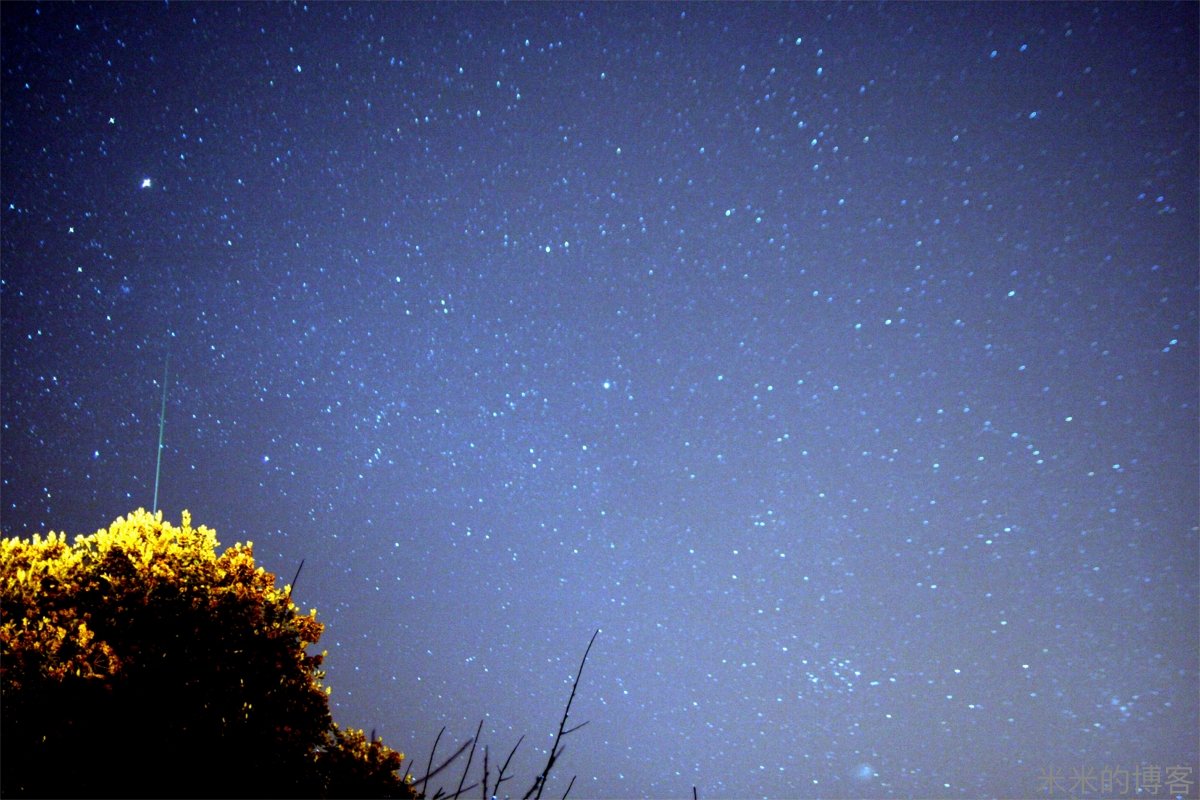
(138, 662)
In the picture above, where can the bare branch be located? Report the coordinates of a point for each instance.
(445, 763)
(429, 766)
(470, 758)
(485, 771)
(577, 727)
(537, 782)
(500, 775)
(296, 577)
(540, 783)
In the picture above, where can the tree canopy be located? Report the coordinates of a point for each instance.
(139, 662)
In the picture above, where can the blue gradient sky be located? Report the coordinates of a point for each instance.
(838, 362)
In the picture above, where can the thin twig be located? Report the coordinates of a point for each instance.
(569, 785)
(500, 775)
(447, 762)
(429, 766)
(292, 585)
(539, 783)
(470, 757)
(485, 772)
(577, 727)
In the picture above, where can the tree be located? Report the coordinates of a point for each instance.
(138, 662)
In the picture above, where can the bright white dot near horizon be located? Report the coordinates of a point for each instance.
(147, 183)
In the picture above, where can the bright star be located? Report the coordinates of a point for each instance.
(147, 183)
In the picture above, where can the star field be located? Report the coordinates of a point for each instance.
(836, 361)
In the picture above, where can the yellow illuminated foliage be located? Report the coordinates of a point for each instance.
(155, 666)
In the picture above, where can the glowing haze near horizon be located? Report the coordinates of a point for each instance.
(838, 362)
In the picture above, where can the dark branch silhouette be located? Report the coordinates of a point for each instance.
(540, 783)
(296, 577)
(485, 773)
(429, 766)
(500, 775)
(467, 768)
(445, 763)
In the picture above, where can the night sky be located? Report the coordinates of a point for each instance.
(837, 362)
